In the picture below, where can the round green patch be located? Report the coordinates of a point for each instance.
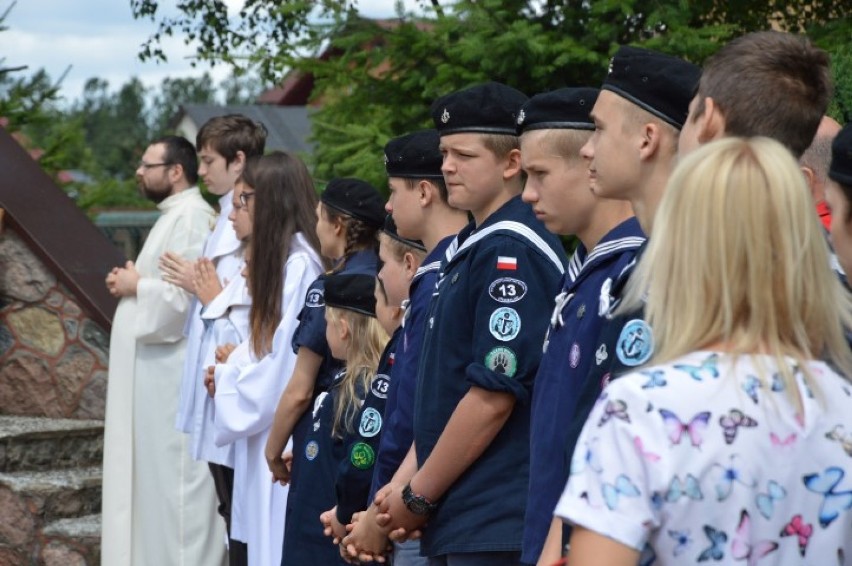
(362, 456)
(502, 360)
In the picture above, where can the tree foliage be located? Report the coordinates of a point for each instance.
(376, 79)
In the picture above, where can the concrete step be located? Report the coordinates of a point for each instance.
(56, 494)
(74, 542)
(36, 443)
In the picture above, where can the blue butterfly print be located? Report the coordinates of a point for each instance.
(694, 428)
(766, 501)
(682, 539)
(750, 386)
(728, 476)
(622, 487)
(708, 366)
(732, 421)
(834, 502)
(587, 458)
(716, 550)
(687, 488)
(655, 378)
(648, 556)
(614, 410)
(777, 383)
(657, 500)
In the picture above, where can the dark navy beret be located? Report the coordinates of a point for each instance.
(414, 156)
(390, 230)
(351, 291)
(841, 157)
(355, 198)
(489, 108)
(661, 84)
(565, 108)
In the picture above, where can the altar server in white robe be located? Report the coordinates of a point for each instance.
(157, 505)
(223, 144)
(284, 260)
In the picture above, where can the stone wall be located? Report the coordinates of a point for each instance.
(53, 356)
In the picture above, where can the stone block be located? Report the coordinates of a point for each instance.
(96, 340)
(7, 341)
(17, 525)
(73, 372)
(71, 327)
(27, 387)
(22, 275)
(71, 308)
(38, 328)
(92, 403)
(57, 553)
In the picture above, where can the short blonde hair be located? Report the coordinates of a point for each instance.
(738, 257)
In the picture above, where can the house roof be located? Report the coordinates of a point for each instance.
(289, 126)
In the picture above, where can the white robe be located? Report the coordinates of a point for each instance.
(158, 505)
(223, 248)
(247, 393)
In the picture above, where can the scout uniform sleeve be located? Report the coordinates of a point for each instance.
(311, 330)
(513, 303)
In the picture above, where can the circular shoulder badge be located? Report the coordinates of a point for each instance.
(362, 455)
(502, 360)
(315, 298)
(380, 386)
(635, 343)
(371, 423)
(505, 324)
(507, 290)
(311, 450)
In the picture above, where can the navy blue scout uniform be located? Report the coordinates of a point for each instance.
(485, 327)
(574, 326)
(321, 453)
(363, 202)
(412, 156)
(664, 86)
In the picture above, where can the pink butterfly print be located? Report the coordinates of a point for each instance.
(650, 456)
(732, 421)
(782, 442)
(614, 410)
(741, 546)
(801, 530)
(694, 428)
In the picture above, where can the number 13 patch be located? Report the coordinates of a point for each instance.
(507, 290)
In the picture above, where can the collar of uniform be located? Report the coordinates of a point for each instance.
(626, 236)
(176, 199)
(432, 261)
(362, 261)
(510, 209)
(621, 281)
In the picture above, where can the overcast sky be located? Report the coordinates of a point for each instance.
(100, 38)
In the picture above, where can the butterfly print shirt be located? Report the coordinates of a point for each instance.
(706, 460)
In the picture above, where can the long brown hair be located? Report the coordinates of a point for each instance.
(284, 203)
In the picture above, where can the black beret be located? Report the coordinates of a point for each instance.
(414, 156)
(351, 291)
(355, 198)
(489, 108)
(661, 84)
(841, 157)
(565, 108)
(390, 230)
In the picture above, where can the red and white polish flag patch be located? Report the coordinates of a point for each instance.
(506, 262)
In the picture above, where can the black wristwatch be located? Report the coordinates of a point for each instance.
(417, 504)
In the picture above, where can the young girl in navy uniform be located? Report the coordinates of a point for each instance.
(355, 337)
(349, 215)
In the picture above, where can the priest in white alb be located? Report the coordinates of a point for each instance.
(158, 504)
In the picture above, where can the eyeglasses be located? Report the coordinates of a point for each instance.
(244, 198)
(147, 166)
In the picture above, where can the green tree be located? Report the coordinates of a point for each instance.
(174, 92)
(377, 79)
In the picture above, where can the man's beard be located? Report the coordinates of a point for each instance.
(155, 195)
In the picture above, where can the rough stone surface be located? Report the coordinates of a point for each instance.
(59, 554)
(70, 308)
(10, 556)
(7, 341)
(71, 327)
(22, 275)
(92, 403)
(38, 444)
(16, 522)
(38, 328)
(27, 387)
(54, 299)
(96, 340)
(72, 372)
